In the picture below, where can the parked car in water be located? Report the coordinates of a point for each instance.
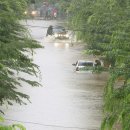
(60, 32)
(82, 65)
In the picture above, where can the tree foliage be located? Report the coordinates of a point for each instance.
(11, 127)
(15, 41)
(105, 27)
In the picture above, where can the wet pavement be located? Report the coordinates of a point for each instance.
(67, 100)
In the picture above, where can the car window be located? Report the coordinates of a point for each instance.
(89, 64)
(58, 30)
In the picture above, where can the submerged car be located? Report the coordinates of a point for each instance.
(83, 65)
(60, 32)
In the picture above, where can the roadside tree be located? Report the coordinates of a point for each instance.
(104, 26)
(15, 41)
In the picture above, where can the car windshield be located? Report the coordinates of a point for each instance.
(89, 64)
(58, 29)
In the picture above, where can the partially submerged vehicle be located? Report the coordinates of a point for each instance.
(87, 65)
(60, 32)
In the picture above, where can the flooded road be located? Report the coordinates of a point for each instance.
(67, 100)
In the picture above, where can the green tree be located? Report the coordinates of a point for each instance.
(11, 127)
(15, 41)
(104, 26)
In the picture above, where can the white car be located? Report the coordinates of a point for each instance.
(83, 65)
